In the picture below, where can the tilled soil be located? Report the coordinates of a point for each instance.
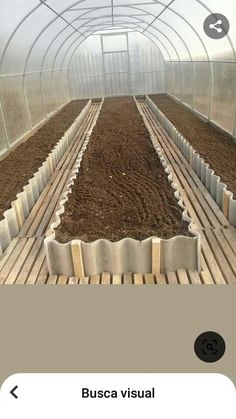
(20, 165)
(122, 189)
(215, 146)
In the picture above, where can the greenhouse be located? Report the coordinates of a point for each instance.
(118, 142)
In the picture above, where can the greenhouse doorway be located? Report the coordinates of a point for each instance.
(115, 51)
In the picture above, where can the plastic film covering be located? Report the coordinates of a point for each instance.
(14, 107)
(224, 95)
(177, 80)
(3, 133)
(35, 98)
(209, 88)
(203, 87)
(188, 83)
(136, 68)
(46, 56)
(48, 90)
(57, 82)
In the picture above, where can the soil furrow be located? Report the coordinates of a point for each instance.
(121, 189)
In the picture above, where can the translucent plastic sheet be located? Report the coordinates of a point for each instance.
(20, 46)
(224, 99)
(47, 45)
(138, 70)
(117, 84)
(177, 89)
(65, 85)
(14, 107)
(195, 14)
(59, 95)
(35, 98)
(178, 26)
(13, 13)
(116, 62)
(169, 77)
(202, 92)
(48, 91)
(44, 40)
(3, 138)
(188, 83)
(114, 43)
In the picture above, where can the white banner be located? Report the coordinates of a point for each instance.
(118, 396)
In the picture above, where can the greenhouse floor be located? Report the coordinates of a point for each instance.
(24, 262)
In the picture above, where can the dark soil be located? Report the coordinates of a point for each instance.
(122, 189)
(216, 147)
(20, 165)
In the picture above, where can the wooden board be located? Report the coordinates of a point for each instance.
(128, 279)
(172, 278)
(117, 279)
(106, 278)
(149, 279)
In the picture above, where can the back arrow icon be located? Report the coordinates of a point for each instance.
(12, 392)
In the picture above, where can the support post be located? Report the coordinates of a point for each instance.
(19, 213)
(5, 127)
(77, 258)
(226, 198)
(156, 256)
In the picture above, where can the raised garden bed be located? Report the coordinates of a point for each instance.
(215, 147)
(15, 216)
(20, 165)
(121, 199)
(215, 185)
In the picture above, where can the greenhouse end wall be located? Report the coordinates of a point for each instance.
(116, 64)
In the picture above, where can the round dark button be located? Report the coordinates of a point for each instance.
(216, 26)
(209, 347)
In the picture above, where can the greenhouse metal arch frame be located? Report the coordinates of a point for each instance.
(41, 38)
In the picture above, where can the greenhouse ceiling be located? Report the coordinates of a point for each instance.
(37, 35)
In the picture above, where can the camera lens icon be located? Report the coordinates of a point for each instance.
(209, 347)
(216, 26)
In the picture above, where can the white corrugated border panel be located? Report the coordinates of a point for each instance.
(77, 258)
(13, 219)
(212, 182)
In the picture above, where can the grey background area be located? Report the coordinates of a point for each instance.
(114, 328)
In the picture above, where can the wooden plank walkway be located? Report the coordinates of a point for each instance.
(24, 261)
(218, 236)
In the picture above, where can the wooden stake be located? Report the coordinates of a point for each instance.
(191, 158)
(77, 258)
(156, 256)
(19, 213)
(226, 197)
(50, 162)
